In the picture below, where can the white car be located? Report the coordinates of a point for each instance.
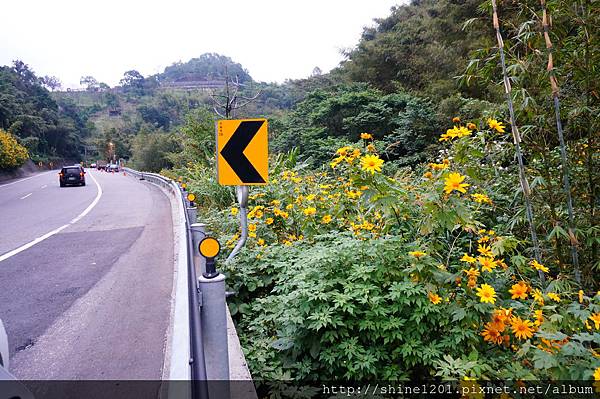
(11, 388)
(3, 346)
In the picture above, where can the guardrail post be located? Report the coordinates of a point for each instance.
(214, 334)
(192, 212)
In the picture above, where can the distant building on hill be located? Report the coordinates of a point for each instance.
(195, 84)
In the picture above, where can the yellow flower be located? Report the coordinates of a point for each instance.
(472, 282)
(519, 290)
(471, 126)
(536, 265)
(417, 254)
(310, 211)
(261, 242)
(275, 202)
(326, 219)
(481, 198)
(486, 294)
(456, 119)
(553, 296)
(454, 182)
(371, 163)
(438, 166)
(289, 207)
(252, 234)
(366, 136)
(269, 221)
(523, 329)
(353, 194)
(258, 213)
(499, 317)
(483, 239)
(455, 132)
(538, 296)
(468, 258)
(336, 162)
(580, 293)
(472, 272)
(539, 317)
(344, 151)
(251, 227)
(428, 175)
(485, 250)
(487, 264)
(494, 124)
(287, 242)
(434, 298)
(597, 374)
(234, 211)
(371, 148)
(492, 334)
(596, 319)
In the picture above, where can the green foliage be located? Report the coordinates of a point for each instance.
(12, 154)
(419, 47)
(151, 150)
(29, 112)
(329, 118)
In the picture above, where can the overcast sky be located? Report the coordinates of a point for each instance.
(273, 39)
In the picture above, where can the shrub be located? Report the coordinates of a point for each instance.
(12, 154)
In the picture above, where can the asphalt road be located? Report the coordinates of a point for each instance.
(85, 277)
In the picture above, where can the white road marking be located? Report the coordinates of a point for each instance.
(25, 196)
(55, 231)
(27, 178)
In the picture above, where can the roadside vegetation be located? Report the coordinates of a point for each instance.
(12, 154)
(394, 240)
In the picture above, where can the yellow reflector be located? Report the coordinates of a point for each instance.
(209, 247)
(191, 197)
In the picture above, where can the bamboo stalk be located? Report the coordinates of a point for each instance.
(517, 142)
(563, 151)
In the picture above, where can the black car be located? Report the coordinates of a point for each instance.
(74, 175)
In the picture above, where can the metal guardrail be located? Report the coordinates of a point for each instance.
(197, 358)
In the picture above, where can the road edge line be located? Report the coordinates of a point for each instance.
(26, 178)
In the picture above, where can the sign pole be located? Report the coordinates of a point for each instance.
(242, 197)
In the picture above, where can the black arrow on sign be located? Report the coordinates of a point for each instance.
(233, 152)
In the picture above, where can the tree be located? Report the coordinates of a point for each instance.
(51, 82)
(151, 150)
(132, 79)
(90, 82)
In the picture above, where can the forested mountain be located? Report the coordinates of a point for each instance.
(46, 127)
(209, 66)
